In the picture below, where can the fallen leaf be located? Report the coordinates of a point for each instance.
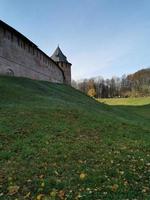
(82, 176)
(40, 196)
(27, 195)
(53, 193)
(41, 176)
(61, 194)
(42, 184)
(13, 189)
(114, 187)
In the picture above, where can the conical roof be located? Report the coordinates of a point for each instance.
(58, 56)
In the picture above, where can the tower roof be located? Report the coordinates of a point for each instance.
(58, 56)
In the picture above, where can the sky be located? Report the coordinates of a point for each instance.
(99, 37)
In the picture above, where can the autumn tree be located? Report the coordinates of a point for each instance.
(92, 92)
(91, 88)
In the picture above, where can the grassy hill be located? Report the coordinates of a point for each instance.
(57, 143)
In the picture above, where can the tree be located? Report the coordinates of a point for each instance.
(91, 89)
(92, 92)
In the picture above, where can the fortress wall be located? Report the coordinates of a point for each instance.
(22, 58)
(66, 67)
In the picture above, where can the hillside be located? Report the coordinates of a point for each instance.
(141, 74)
(57, 143)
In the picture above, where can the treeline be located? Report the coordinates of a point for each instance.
(135, 85)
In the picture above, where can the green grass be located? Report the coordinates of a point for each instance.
(126, 101)
(51, 134)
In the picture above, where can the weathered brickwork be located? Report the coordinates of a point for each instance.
(20, 57)
(66, 67)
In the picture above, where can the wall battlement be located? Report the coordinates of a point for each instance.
(21, 57)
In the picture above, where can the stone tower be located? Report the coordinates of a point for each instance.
(61, 60)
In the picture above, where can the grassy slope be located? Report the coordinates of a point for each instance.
(51, 134)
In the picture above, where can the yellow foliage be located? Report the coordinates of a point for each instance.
(92, 92)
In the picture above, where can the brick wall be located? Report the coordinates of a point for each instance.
(21, 58)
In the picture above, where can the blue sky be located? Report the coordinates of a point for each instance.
(99, 37)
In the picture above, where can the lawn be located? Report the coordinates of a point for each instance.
(126, 101)
(57, 143)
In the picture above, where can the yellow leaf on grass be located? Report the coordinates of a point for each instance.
(82, 176)
(56, 172)
(41, 176)
(40, 197)
(61, 194)
(53, 193)
(13, 189)
(42, 184)
(27, 195)
(114, 187)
